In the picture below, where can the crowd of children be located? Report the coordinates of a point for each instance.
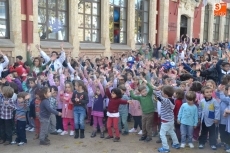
(164, 92)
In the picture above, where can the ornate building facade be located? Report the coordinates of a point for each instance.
(104, 27)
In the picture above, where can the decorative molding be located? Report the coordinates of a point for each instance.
(92, 54)
(189, 4)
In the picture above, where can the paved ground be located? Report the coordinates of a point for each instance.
(67, 144)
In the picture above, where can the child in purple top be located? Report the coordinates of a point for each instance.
(98, 108)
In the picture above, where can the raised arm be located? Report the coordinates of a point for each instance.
(28, 58)
(71, 68)
(223, 98)
(133, 96)
(107, 93)
(43, 54)
(62, 82)
(62, 57)
(101, 89)
(218, 66)
(6, 60)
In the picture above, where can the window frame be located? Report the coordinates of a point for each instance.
(206, 23)
(226, 25)
(56, 10)
(91, 18)
(7, 20)
(216, 30)
(126, 22)
(142, 23)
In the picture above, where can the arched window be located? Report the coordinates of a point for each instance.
(4, 19)
(216, 28)
(141, 21)
(89, 20)
(118, 21)
(206, 23)
(226, 26)
(53, 20)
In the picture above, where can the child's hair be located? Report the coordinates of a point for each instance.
(117, 92)
(70, 84)
(7, 91)
(205, 88)
(40, 74)
(185, 77)
(31, 80)
(190, 95)
(56, 77)
(19, 57)
(53, 88)
(81, 83)
(141, 87)
(43, 91)
(225, 79)
(227, 87)
(169, 79)
(136, 78)
(183, 83)
(122, 87)
(14, 86)
(38, 92)
(22, 95)
(39, 59)
(196, 86)
(179, 94)
(212, 82)
(168, 90)
(125, 77)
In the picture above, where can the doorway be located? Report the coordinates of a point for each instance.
(183, 26)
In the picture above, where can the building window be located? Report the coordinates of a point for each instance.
(89, 20)
(141, 21)
(226, 26)
(53, 20)
(206, 23)
(4, 19)
(118, 21)
(216, 28)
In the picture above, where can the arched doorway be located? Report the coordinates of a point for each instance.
(183, 25)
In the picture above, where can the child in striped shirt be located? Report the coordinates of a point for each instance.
(167, 118)
(20, 117)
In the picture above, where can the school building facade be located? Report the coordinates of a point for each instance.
(103, 27)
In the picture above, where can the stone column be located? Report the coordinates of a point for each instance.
(73, 26)
(211, 25)
(15, 27)
(163, 25)
(36, 38)
(131, 23)
(152, 21)
(221, 29)
(201, 35)
(190, 27)
(105, 15)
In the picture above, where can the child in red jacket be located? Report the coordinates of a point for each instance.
(112, 112)
(179, 96)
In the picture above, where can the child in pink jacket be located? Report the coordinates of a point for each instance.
(67, 109)
(136, 112)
